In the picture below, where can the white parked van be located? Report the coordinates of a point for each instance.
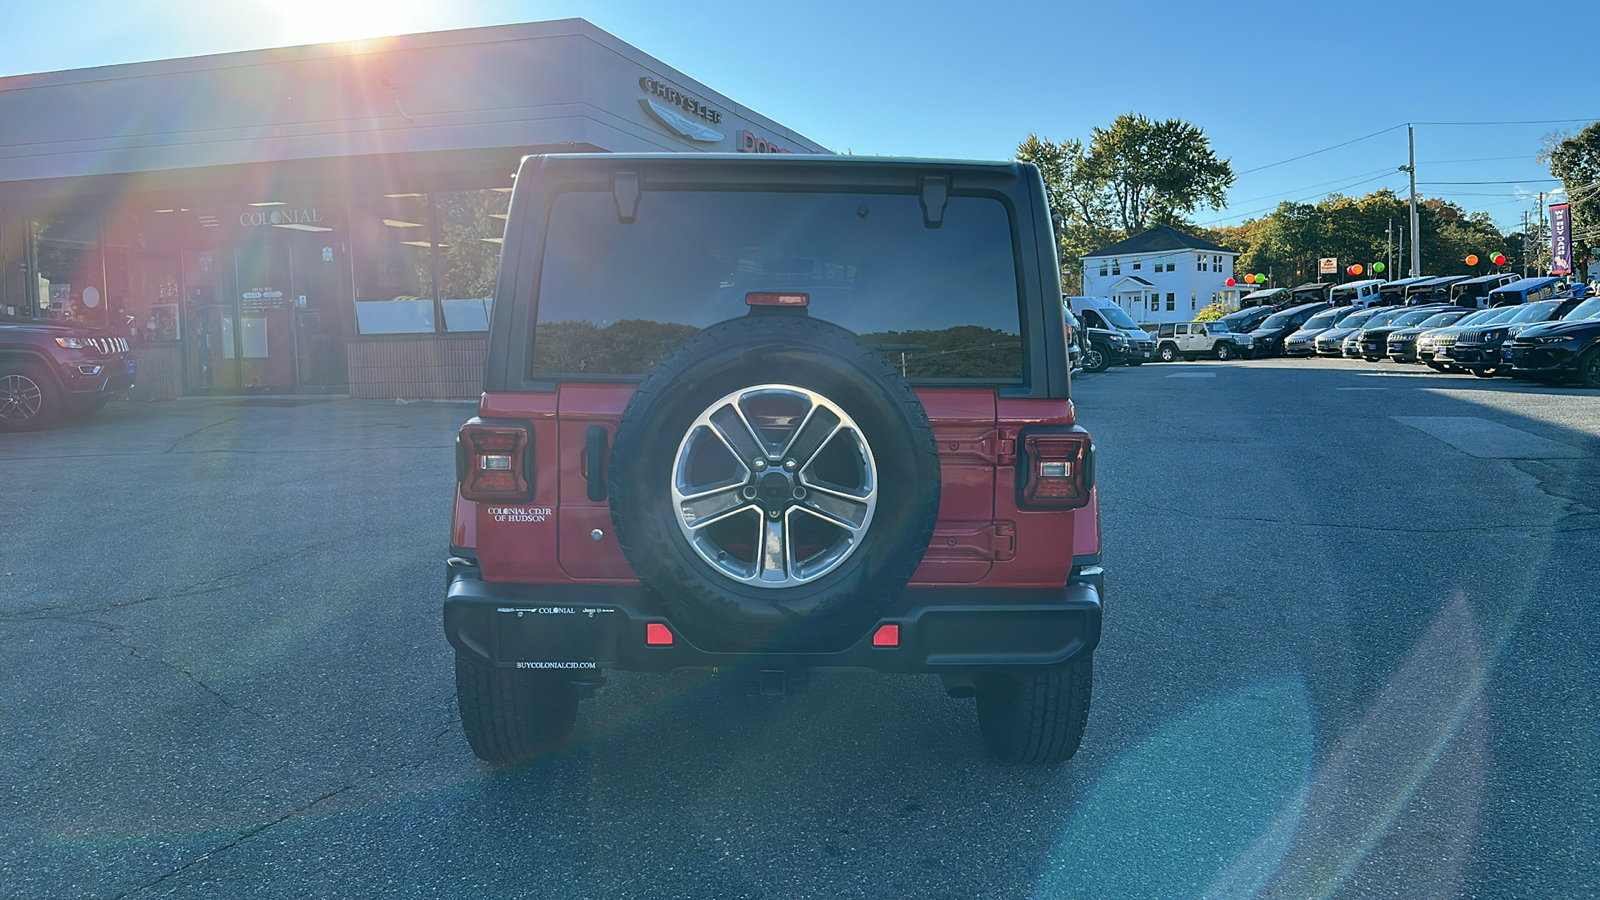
(1102, 313)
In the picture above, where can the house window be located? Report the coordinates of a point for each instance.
(1172, 302)
(1136, 265)
(1191, 300)
(1102, 268)
(1116, 267)
(1216, 264)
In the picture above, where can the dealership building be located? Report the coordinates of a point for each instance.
(323, 218)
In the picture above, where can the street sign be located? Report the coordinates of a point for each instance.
(1328, 265)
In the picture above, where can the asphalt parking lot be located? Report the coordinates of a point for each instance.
(1349, 651)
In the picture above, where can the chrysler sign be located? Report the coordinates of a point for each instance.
(681, 113)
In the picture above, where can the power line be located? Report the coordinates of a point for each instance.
(1308, 187)
(1517, 122)
(1446, 162)
(1522, 181)
(1323, 150)
(1336, 190)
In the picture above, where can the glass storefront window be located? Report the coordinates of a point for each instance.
(471, 224)
(68, 269)
(395, 289)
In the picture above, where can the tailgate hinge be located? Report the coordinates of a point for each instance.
(995, 541)
(998, 448)
(1006, 452)
(1003, 541)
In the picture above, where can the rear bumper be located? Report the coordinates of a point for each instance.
(592, 627)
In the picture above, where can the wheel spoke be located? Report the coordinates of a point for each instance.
(820, 424)
(774, 553)
(842, 509)
(707, 507)
(731, 426)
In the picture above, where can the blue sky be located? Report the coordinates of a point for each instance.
(1267, 81)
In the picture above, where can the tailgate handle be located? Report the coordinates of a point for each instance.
(594, 448)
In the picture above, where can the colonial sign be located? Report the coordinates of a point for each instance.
(281, 217)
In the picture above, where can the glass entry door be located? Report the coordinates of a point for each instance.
(264, 299)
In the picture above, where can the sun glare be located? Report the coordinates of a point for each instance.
(290, 22)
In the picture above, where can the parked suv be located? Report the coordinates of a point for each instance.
(771, 414)
(1303, 341)
(1192, 340)
(1374, 336)
(1481, 350)
(50, 371)
(1269, 336)
(1557, 351)
(1403, 342)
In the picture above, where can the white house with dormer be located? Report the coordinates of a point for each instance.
(1161, 275)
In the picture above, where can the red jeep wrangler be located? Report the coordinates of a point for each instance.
(769, 415)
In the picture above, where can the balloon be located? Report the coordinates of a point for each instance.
(1377, 268)
(1230, 282)
(1472, 259)
(1499, 259)
(1356, 269)
(1260, 278)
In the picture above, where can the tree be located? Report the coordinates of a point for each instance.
(1079, 202)
(1356, 230)
(1575, 160)
(1156, 172)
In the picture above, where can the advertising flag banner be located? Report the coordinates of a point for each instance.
(1560, 239)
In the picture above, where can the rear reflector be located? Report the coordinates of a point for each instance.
(657, 634)
(886, 636)
(754, 299)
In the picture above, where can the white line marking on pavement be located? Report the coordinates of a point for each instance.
(1490, 440)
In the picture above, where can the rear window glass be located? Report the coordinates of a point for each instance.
(614, 298)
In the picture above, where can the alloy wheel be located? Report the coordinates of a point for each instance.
(774, 486)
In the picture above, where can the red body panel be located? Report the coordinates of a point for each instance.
(981, 537)
(963, 426)
(583, 557)
(518, 542)
(464, 522)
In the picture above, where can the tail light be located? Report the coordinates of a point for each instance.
(494, 460)
(1055, 468)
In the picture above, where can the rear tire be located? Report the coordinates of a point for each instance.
(1036, 716)
(1167, 353)
(512, 715)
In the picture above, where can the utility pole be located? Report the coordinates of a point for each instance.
(1411, 169)
(1524, 243)
(1388, 251)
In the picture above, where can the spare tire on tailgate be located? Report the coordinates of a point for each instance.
(776, 481)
